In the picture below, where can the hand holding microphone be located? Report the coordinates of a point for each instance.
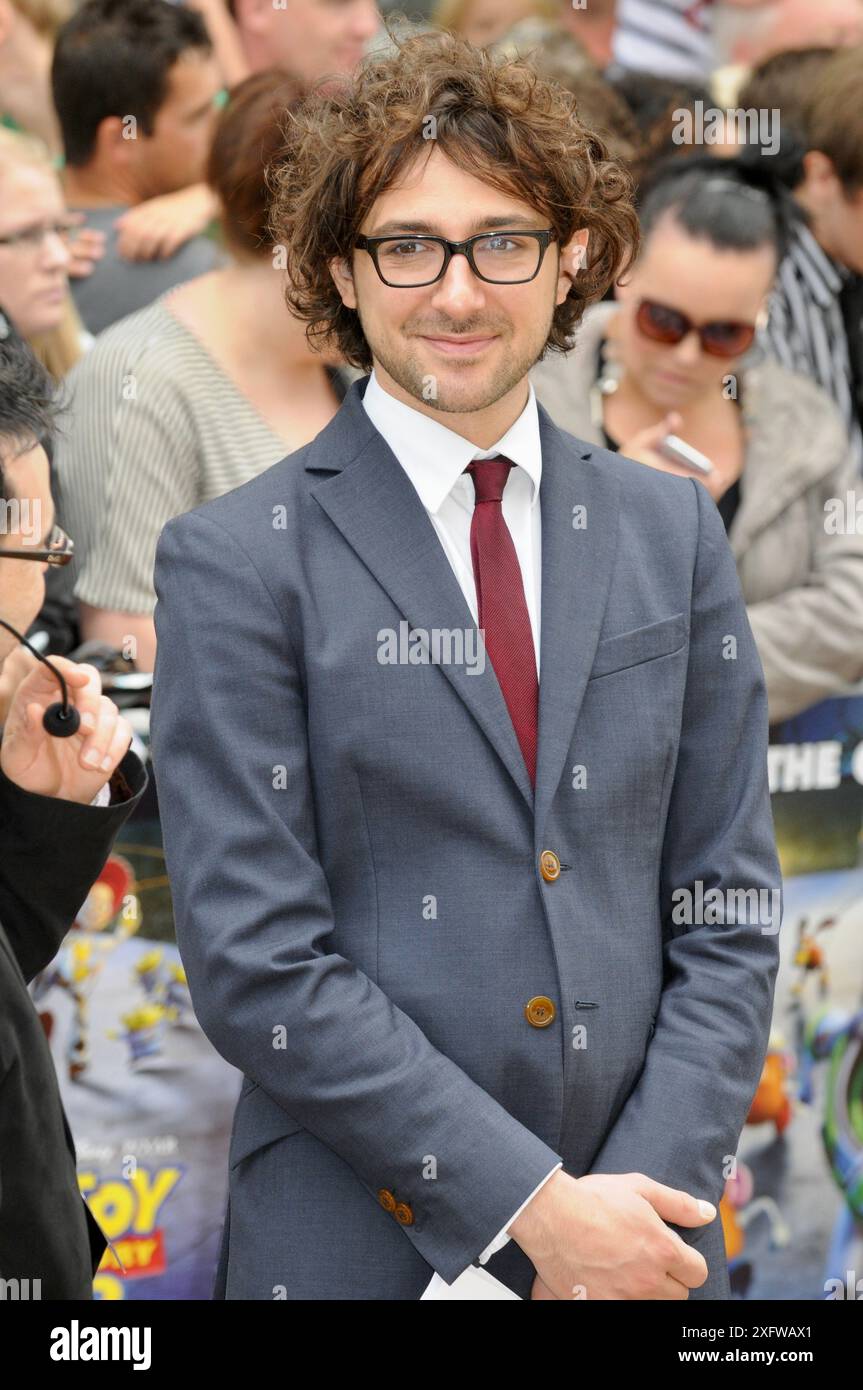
(69, 768)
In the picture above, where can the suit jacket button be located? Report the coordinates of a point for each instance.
(549, 865)
(404, 1214)
(386, 1199)
(540, 1011)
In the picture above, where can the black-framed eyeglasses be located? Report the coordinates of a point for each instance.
(59, 551)
(500, 258)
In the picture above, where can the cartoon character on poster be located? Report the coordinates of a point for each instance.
(167, 1000)
(110, 914)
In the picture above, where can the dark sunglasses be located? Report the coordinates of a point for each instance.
(663, 324)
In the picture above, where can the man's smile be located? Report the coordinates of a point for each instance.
(461, 346)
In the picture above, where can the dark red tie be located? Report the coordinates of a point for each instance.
(501, 603)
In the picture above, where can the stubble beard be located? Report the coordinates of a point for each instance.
(449, 395)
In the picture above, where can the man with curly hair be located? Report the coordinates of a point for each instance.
(455, 719)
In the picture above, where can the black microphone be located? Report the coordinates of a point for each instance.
(61, 720)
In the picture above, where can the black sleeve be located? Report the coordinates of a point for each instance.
(53, 851)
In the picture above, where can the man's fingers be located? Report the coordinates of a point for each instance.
(94, 752)
(41, 684)
(673, 1205)
(673, 1289)
(120, 744)
(85, 690)
(34, 712)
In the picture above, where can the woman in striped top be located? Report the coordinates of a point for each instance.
(193, 395)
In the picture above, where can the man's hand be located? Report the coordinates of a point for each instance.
(604, 1236)
(85, 249)
(71, 769)
(159, 227)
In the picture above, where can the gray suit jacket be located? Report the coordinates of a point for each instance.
(354, 851)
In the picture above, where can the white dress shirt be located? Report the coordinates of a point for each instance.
(434, 459)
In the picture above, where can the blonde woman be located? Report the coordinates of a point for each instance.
(35, 255)
(35, 260)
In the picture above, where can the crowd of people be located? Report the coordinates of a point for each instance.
(137, 146)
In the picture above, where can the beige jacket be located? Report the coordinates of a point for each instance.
(803, 586)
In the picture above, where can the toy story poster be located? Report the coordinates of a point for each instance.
(793, 1210)
(149, 1100)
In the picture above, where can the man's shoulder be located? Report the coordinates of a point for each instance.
(639, 484)
(283, 491)
(278, 492)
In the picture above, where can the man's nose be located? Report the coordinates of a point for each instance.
(458, 291)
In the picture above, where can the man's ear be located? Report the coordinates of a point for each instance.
(343, 278)
(572, 259)
(820, 180)
(113, 143)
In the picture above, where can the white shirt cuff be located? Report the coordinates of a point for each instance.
(103, 796)
(501, 1239)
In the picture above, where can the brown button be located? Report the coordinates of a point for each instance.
(404, 1214)
(549, 865)
(540, 1011)
(386, 1199)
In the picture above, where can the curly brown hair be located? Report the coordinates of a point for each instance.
(493, 117)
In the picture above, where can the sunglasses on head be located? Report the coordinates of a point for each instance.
(663, 324)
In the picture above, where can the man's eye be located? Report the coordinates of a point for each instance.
(404, 249)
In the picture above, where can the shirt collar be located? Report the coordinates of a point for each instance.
(434, 457)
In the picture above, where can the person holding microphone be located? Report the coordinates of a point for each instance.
(62, 801)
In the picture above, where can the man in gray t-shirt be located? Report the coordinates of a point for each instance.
(136, 89)
(117, 287)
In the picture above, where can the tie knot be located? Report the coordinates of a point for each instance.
(489, 477)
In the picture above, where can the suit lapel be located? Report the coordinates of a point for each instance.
(576, 573)
(371, 500)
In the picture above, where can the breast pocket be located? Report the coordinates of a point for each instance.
(639, 646)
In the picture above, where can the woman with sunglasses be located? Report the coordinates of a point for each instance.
(677, 355)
